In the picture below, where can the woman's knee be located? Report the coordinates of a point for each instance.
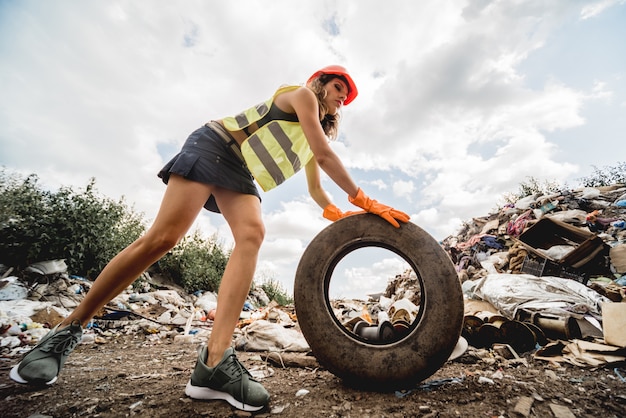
(253, 233)
(258, 233)
(161, 241)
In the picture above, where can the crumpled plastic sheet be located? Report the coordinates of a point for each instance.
(12, 289)
(569, 216)
(262, 335)
(48, 267)
(557, 252)
(21, 310)
(549, 295)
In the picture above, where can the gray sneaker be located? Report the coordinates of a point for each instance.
(229, 381)
(43, 363)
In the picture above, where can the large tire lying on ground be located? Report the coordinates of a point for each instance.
(379, 366)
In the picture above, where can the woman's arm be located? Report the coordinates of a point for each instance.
(305, 105)
(314, 184)
(318, 194)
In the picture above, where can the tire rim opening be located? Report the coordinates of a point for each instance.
(374, 294)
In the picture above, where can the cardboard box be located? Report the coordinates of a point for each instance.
(618, 258)
(614, 323)
(547, 233)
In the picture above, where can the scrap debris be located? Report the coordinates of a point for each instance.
(540, 275)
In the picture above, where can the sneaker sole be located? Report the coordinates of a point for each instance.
(15, 376)
(204, 393)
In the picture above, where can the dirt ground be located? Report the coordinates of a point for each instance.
(131, 376)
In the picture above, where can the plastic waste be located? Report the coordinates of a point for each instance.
(207, 301)
(621, 224)
(526, 202)
(483, 379)
(262, 335)
(301, 392)
(13, 289)
(10, 342)
(511, 292)
(48, 267)
(403, 309)
(14, 330)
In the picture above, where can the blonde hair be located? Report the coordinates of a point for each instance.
(330, 123)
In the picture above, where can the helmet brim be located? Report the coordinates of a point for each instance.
(352, 90)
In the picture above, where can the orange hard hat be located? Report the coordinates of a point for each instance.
(339, 70)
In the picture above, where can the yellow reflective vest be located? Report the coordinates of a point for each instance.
(277, 150)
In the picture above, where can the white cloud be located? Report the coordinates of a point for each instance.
(594, 9)
(379, 184)
(403, 188)
(449, 117)
(356, 282)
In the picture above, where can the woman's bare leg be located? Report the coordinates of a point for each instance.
(243, 214)
(181, 204)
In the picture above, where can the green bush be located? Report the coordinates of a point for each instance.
(83, 228)
(274, 291)
(196, 263)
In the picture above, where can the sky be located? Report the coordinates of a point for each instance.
(459, 102)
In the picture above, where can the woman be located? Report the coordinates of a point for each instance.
(215, 169)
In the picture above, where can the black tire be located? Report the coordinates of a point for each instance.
(432, 336)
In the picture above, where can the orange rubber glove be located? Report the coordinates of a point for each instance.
(388, 213)
(333, 213)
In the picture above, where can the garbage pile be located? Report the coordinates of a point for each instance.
(32, 304)
(578, 234)
(384, 317)
(547, 273)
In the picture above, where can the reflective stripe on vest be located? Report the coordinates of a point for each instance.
(251, 115)
(276, 152)
(255, 113)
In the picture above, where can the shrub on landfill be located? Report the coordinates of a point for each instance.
(196, 263)
(274, 291)
(532, 186)
(606, 176)
(82, 227)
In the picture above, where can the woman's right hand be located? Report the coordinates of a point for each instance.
(388, 213)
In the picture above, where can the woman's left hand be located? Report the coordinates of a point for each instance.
(333, 213)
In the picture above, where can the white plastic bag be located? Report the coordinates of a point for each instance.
(511, 292)
(262, 335)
